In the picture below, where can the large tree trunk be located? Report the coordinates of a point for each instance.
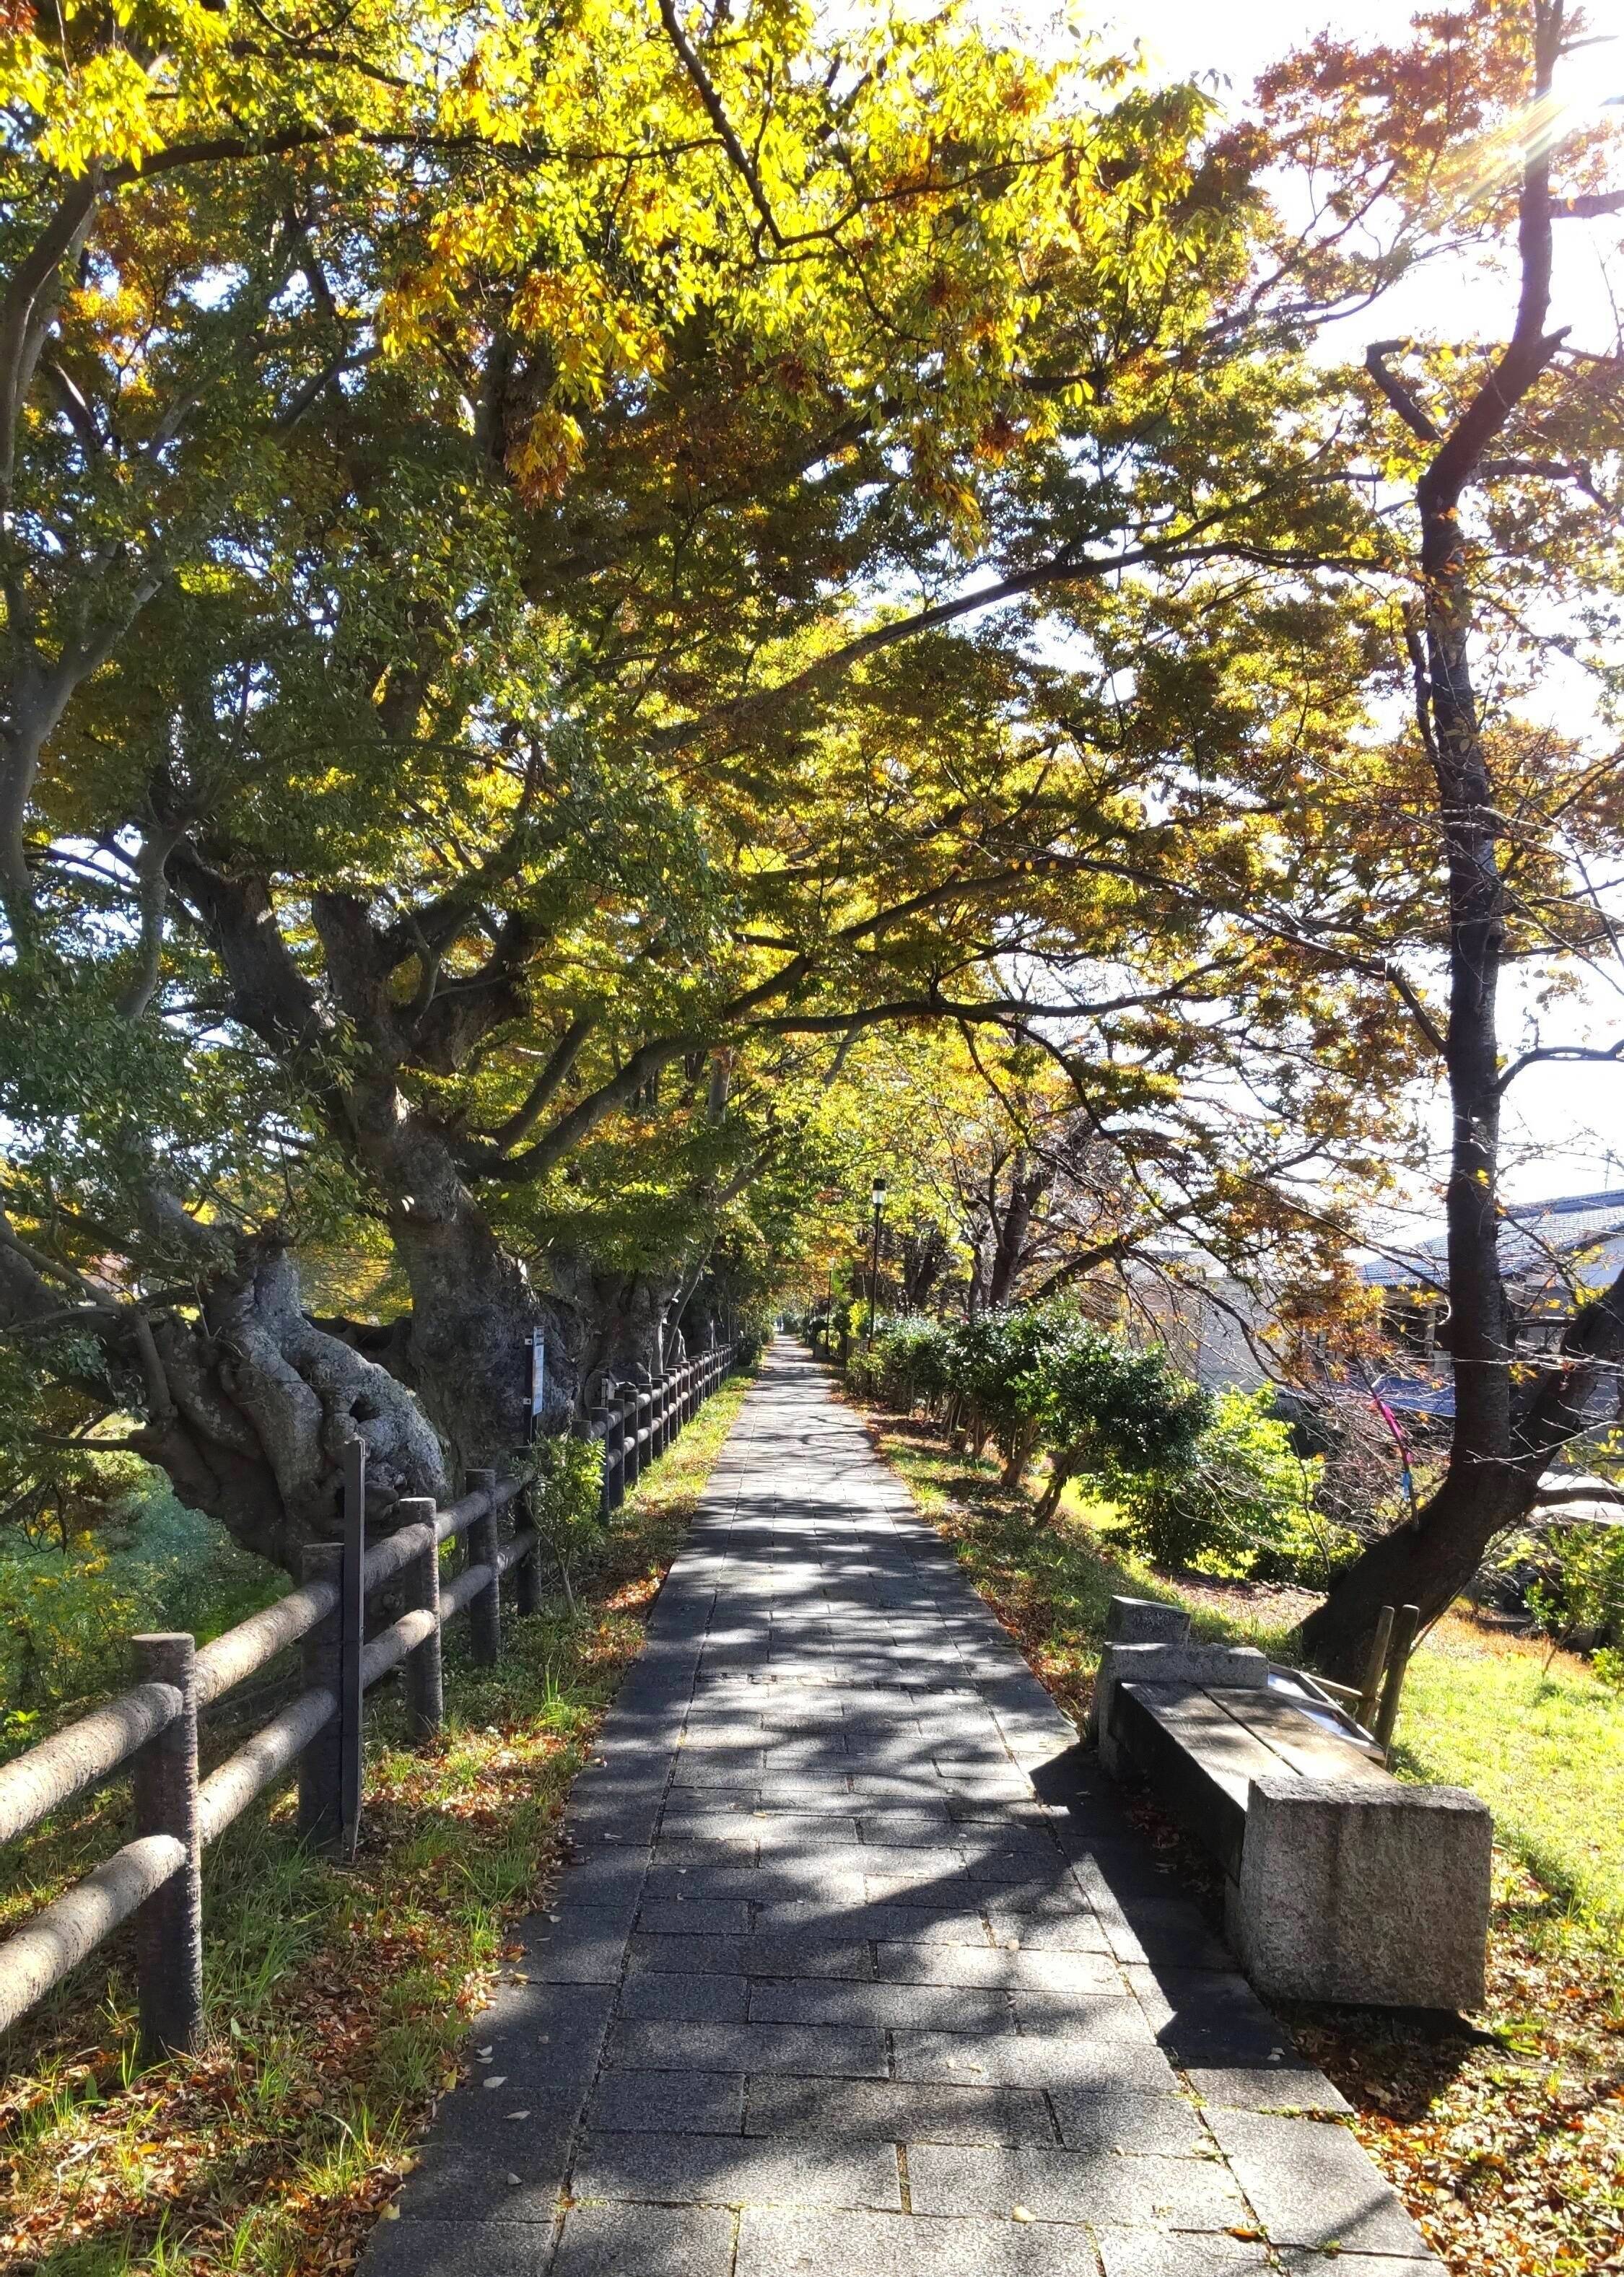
(1028, 1183)
(245, 1403)
(1494, 1459)
(474, 1305)
(263, 1403)
(1429, 1563)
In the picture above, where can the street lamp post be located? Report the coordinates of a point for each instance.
(874, 1276)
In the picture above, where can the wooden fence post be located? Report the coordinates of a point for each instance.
(1403, 1643)
(602, 1425)
(1370, 1691)
(321, 1809)
(631, 1425)
(352, 1642)
(617, 1412)
(484, 1612)
(169, 1927)
(425, 1681)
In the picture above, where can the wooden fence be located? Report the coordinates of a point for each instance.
(152, 1729)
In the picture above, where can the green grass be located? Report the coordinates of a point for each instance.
(1546, 1750)
(70, 1608)
(338, 1998)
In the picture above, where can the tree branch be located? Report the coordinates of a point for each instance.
(560, 1060)
(1396, 393)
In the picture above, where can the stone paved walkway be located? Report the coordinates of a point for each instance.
(858, 1971)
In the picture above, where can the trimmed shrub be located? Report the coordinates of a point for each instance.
(1243, 1506)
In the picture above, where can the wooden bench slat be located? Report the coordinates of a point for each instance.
(1297, 1739)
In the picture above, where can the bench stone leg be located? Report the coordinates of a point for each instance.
(1232, 1666)
(1135, 1620)
(1363, 1894)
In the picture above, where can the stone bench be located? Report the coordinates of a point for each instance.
(1342, 1883)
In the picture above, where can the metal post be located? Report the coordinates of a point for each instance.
(321, 1813)
(168, 1928)
(1370, 1690)
(351, 1641)
(425, 1681)
(1403, 1642)
(527, 1573)
(484, 1612)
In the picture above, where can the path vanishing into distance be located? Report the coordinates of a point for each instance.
(857, 1968)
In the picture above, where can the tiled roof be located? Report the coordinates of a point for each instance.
(1584, 1231)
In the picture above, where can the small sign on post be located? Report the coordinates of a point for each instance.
(527, 1573)
(538, 1380)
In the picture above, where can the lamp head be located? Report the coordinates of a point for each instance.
(879, 1193)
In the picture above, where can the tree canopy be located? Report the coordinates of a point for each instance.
(607, 609)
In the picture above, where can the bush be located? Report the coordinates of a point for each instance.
(996, 1367)
(566, 1502)
(1243, 1506)
(1579, 1593)
(1106, 1406)
(71, 1610)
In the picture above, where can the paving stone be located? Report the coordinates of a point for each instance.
(1303, 2261)
(896, 2112)
(1079, 1931)
(1153, 2253)
(1108, 2009)
(1065, 1973)
(712, 2000)
(1005, 2061)
(1113, 2121)
(1205, 2016)
(943, 2008)
(452, 2248)
(669, 2103)
(555, 2049)
(677, 1850)
(1074, 2186)
(774, 2243)
(1311, 2185)
(517, 2178)
(1289, 2086)
(849, 2051)
(654, 2241)
(718, 2170)
(694, 1917)
(605, 1878)
(947, 1925)
(764, 1955)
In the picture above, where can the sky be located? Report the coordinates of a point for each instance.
(1564, 1124)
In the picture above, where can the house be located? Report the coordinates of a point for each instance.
(1554, 1254)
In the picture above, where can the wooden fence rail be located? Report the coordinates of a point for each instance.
(152, 1728)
